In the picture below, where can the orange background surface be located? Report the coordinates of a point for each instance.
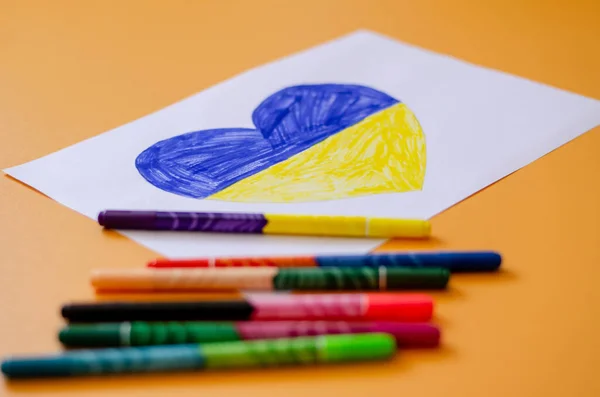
(73, 69)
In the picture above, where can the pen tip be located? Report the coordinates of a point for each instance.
(101, 218)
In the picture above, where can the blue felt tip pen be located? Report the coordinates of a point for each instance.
(455, 261)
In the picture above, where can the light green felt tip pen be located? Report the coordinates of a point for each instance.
(222, 355)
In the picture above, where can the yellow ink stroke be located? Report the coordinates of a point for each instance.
(384, 153)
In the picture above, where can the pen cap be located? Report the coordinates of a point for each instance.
(122, 280)
(94, 335)
(358, 347)
(157, 311)
(414, 278)
(127, 219)
(384, 227)
(184, 279)
(146, 333)
(50, 366)
(399, 307)
(409, 334)
(475, 261)
(106, 361)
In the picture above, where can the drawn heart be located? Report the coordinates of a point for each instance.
(311, 142)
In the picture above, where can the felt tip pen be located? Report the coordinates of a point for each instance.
(271, 278)
(455, 261)
(211, 356)
(314, 225)
(140, 333)
(263, 307)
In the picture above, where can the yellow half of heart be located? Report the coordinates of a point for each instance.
(384, 153)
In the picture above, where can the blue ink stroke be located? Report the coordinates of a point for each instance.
(201, 163)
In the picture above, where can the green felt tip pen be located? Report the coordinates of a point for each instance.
(222, 355)
(272, 278)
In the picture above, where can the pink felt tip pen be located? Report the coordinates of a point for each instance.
(263, 307)
(140, 333)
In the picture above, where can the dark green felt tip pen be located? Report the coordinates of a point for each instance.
(271, 278)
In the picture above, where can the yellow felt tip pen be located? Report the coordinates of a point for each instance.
(312, 225)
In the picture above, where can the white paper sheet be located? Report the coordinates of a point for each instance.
(479, 126)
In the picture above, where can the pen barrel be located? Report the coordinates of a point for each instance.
(380, 306)
(363, 278)
(302, 350)
(406, 334)
(182, 332)
(290, 329)
(187, 279)
(357, 226)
